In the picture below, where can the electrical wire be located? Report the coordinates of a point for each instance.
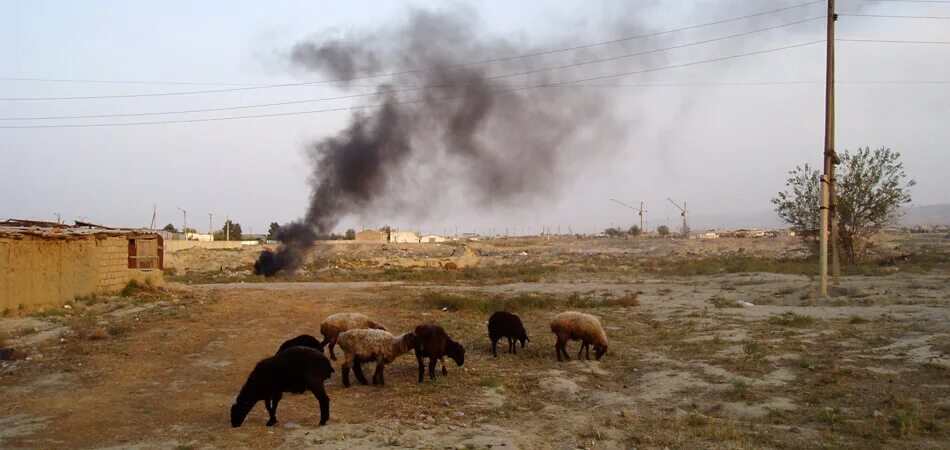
(417, 101)
(485, 61)
(890, 16)
(416, 88)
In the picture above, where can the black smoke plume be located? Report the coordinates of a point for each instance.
(456, 124)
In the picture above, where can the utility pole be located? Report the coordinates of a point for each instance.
(227, 228)
(154, 210)
(210, 227)
(830, 159)
(184, 228)
(57, 218)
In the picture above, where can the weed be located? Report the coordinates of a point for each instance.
(791, 319)
(854, 320)
(753, 356)
(721, 302)
(695, 419)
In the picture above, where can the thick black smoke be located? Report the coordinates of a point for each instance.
(468, 127)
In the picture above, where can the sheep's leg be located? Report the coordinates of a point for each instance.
(272, 417)
(561, 348)
(581, 350)
(346, 373)
(378, 376)
(444, 371)
(494, 350)
(587, 349)
(332, 344)
(273, 410)
(421, 366)
(514, 348)
(432, 362)
(358, 372)
(316, 387)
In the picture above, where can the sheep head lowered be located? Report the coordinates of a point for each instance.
(455, 351)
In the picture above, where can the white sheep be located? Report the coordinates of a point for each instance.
(364, 345)
(334, 324)
(576, 326)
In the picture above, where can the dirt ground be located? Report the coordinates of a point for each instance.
(688, 367)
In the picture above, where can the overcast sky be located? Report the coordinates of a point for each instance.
(722, 147)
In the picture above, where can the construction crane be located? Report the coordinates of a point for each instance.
(639, 210)
(685, 214)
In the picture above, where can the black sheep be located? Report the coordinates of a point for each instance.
(304, 340)
(294, 370)
(505, 324)
(432, 342)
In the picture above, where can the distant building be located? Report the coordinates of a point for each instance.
(709, 235)
(429, 238)
(372, 235)
(200, 237)
(404, 237)
(46, 263)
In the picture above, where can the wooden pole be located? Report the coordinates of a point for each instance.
(829, 152)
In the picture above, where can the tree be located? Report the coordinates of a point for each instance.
(615, 232)
(234, 235)
(801, 208)
(635, 231)
(170, 228)
(350, 234)
(871, 187)
(273, 231)
(663, 230)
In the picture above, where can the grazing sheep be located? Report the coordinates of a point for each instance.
(433, 343)
(304, 340)
(335, 324)
(294, 370)
(450, 266)
(572, 325)
(365, 345)
(505, 324)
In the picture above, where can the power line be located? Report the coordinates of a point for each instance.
(71, 80)
(410, 89)
(889, 16)
(405, 72)
(909, 1)
(889, 41)
(617, 75)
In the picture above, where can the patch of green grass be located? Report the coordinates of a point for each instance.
(492, 383)
(791, 319)
(805, 362)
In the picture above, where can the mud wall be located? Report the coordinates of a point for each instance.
(36, 271)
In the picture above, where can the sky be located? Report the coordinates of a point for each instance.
(720, 136)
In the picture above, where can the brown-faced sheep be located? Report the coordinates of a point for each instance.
(304, 340)
(365, 345)
(508, 325)
(576, 326)
(335, 324)
(294, 370)
(432, 342)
